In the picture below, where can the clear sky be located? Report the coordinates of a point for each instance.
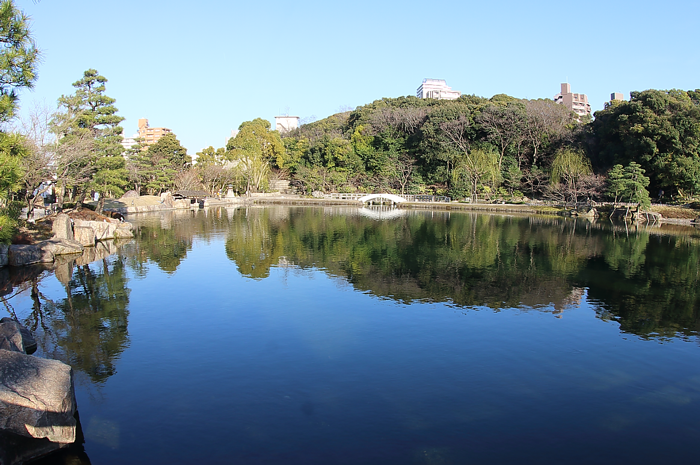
(201, 68)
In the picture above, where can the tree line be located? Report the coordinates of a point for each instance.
(498, 148)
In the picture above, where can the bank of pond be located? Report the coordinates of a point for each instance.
(296, 304)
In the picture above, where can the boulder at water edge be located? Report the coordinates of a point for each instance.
(4, 249)
(36, 397)
(21, 255)
(84, 235)
(63, 226)
(61, 246)
(103, 229)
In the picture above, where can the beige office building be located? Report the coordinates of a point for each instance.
(578, 103)
(437, 89)
(151, 135)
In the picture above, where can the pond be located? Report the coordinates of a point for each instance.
(339, 335)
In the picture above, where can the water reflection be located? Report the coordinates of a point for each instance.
(645, 280)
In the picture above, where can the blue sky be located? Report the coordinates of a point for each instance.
(202, 68)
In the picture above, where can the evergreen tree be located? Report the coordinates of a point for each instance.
(616, 182)
(18, 60)
(636, 186)
(160, 162)
(90, 114)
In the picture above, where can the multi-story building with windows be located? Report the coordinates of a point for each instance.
(578, 103)
(150, 135)
(437, 89)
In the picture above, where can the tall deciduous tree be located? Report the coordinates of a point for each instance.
(90, 114)
(568, 168)
(38, 164)
(504, 126)
(253, 148)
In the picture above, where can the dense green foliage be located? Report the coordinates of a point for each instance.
(88, 129)
(467, 147)
(499, 147)
(18, 61)
(659, 130)
(156, 166)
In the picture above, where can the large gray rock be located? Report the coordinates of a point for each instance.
(10, 336)
(15, 337)
(84, 235)
(21, 254)
(61, 246)
(103, 229)
(36, 397)
(63, 226)
(166, 198)
(182, 203)
(4, 250)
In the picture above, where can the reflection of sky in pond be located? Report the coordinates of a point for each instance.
(302, 367)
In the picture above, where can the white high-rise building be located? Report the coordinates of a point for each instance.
(286, 123)
(437, 89)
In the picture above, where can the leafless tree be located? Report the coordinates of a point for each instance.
(187, 180)
(397, 120)
(504, 126)
(37, 165)
(457, 133)
(403, 168)
(545, 121)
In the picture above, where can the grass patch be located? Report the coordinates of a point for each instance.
(684, 213)
(549, 210)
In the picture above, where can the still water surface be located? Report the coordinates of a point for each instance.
(318, 336)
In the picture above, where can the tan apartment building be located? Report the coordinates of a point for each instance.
(578, 103)
(150, 135)
(437, 89)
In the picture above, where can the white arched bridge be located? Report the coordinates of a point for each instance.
(393, 198)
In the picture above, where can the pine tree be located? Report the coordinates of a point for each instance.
(18, 61)
(90, 114)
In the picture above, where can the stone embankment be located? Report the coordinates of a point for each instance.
(37, 399)
(70, 237)
(166, 201)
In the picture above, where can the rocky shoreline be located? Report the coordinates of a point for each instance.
(70, 236)
(38, 411)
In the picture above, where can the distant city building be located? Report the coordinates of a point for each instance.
(437, 89)
(286, 123)
(617, 96)
(128, 142)
(578, 103)
(150, 135)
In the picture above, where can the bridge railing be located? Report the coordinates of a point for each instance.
(426, 198)
(409, 198)
(341, 196)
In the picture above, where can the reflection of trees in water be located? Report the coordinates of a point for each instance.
(645, 281)
(166, 238)
(88, 328)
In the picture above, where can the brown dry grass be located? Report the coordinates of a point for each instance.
(676, 212)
